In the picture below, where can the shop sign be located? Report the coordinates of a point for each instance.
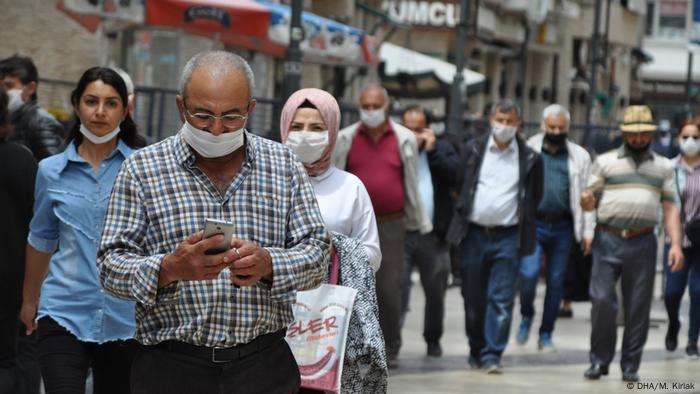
(423, 13)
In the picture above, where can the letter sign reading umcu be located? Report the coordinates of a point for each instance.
(422, 13)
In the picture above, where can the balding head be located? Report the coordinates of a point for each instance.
(374, 95)
(216, 84)
(219, 65)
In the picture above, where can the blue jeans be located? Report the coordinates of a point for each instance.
(489, 268)
(554, 240)
(675, 287)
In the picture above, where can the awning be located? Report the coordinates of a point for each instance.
(257, 25)
(325, 40)
(669, 64)
(210, 17)
(407, 73)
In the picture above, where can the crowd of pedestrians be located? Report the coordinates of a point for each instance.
(106, 267)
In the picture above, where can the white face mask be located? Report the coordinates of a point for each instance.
(14, 99)
(210, 145)
(96, 139)
(689, 146)
(308, 145)
(372, 118)
(503, 133)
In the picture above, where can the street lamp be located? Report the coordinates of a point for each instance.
(594, 72)
(689, 81)
(291, 81)
(455, 116)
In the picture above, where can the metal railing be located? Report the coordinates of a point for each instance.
(157, 116)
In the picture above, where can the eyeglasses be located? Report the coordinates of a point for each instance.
(230, 121)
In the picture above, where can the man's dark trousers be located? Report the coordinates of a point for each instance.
(632, 260)
(432, 258)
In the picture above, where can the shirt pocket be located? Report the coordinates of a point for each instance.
(266, 216)
(80, 212)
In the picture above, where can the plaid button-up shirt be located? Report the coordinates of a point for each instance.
(160, 198)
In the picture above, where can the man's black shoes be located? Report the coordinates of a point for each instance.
(595, 371)
(630, 376)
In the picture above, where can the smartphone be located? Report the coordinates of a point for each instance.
(213, 227)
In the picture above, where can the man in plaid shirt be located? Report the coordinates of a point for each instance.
(213, 323)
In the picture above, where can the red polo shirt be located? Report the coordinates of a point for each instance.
(378, 165)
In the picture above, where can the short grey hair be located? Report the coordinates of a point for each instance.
(506, 105)
(556, 110)
(225, 62)
(380, 88)
(127, 80)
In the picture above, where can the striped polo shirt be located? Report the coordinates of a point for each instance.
(630, 192)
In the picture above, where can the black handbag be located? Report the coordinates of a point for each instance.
(692, 231)
(691, 228)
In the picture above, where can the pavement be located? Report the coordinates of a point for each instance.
(526, 370)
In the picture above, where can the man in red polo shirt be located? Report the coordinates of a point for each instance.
(384, 155)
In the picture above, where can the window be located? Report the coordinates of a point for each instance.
(651, 7)
(673, 16)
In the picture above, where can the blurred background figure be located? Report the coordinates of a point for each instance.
(17, 172)
(309, 125)
(665, 141)
(560, 221)
(384, 155)
(131, 94)
(494, 225)
(430, 253)
(34, 127)
(628, 186)
(79, 325)
(687, 173)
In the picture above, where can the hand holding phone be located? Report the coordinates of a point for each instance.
(213, 227)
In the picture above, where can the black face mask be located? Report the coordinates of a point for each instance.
(555, 139)
(637, 151)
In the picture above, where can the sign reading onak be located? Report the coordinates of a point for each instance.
(207, 12)
(422, 13)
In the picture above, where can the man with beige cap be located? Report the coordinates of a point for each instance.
(626, 186)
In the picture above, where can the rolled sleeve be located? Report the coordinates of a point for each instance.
(43, 245)
(43, 229)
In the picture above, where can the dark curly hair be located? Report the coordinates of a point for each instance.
(129, 133)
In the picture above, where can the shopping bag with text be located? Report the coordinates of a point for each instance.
(319, 333)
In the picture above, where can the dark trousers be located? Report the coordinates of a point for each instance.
(65, 360)
(490, 267)
(676, 283)
(270, 370)
(389, 282)
(631, 260)
(432, 258)
(578, 275)
(28, 374)
(8, 353)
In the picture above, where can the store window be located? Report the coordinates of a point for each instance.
(673, 18)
